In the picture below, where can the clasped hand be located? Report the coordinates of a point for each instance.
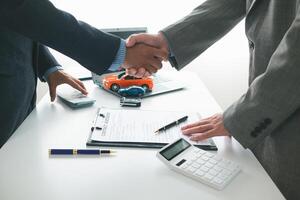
(145, 53)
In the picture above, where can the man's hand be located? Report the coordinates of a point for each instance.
(153, 40)
(206, 128)
(59, 77)
(147, 57)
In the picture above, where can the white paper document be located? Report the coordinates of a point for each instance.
(119, 125)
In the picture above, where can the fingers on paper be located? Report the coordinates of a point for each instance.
(197, 129)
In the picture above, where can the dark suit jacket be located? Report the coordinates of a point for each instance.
(25, 27)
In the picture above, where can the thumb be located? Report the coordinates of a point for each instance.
(143, 38)
(131, 41)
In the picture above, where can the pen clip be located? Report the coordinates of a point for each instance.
(96, 127)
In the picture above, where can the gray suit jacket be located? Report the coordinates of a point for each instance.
(267, 118)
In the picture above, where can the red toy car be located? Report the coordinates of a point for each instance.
(115, 82)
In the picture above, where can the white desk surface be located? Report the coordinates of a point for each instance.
(27, 172)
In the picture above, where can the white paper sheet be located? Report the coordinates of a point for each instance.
(120, 125)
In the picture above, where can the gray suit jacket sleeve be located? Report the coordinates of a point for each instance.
(272, 97)
(192, 35)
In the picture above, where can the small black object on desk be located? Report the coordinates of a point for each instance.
(131, 102)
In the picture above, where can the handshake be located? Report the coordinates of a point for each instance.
(145, 53)
(144, 56)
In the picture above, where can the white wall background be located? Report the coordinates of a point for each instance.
(223, 67)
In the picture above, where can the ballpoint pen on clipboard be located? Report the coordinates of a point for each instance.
(172, 124)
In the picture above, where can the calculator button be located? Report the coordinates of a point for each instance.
(204, 158)
(199, 173)
(225, 172)
(193, 158)
(191, 169)
(196, 165)
(213, 172)
(181, 162)
(184, 166)
(198, 155)
(217, 181)
(209, 165)
(213, 161)
(200, 161)
(222, 176)
(209, 154)
(205, 169)
(208, 177)
(217, 168)
(196, 150)
(189, 162)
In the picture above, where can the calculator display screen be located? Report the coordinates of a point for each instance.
(175, 149)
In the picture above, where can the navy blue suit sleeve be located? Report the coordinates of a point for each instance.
(45, 61)
(40, 21)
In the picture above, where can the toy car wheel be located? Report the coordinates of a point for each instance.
(146, 87)
(115, 87)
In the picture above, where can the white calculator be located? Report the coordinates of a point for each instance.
(198, 164)
(73, 97)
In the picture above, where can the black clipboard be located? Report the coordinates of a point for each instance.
(91, 142)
